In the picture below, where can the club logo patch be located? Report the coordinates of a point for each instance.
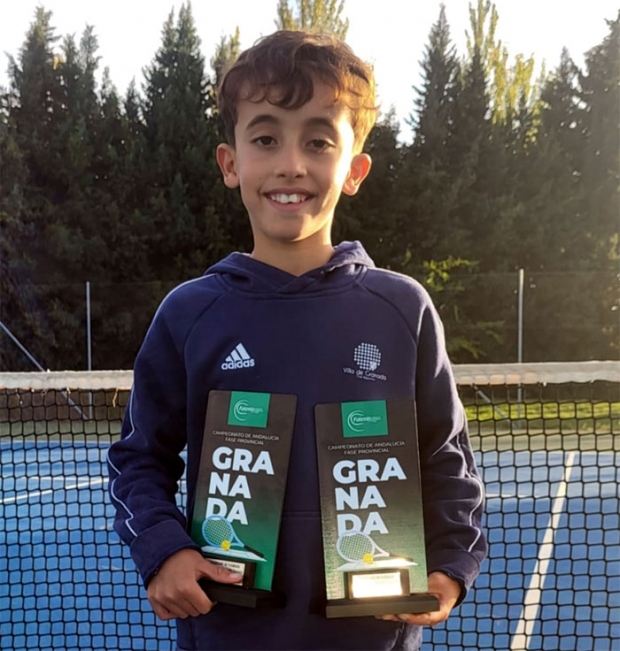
(367, 358)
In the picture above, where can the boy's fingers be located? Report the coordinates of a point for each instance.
(219, 573)
(164, 612)
(446, 590)
(174, 593)
(161, 612)
(196, 605)
(200, 602)
(388, 618)
(424, 619)
(182, 605)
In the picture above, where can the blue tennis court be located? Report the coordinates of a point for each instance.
(550, 582)
(552, 576)
(547, 442)
(71, 584)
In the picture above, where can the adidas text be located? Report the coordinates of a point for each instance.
(242, 363)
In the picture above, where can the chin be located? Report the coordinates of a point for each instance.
(289, 234)
(293, 231)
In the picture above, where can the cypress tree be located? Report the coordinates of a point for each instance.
(314, 15)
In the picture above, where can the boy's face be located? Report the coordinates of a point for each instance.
(291, 166)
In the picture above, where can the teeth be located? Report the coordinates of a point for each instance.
(288, 198)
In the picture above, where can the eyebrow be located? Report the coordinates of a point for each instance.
(262, 119)
(266, 118)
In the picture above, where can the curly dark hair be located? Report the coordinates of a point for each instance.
(283, 69)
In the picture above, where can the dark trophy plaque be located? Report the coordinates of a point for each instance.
(240, 491)
(371, 509)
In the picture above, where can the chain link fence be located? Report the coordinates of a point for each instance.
(565, 316)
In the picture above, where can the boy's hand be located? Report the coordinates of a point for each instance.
(174, 591)
(445, 589)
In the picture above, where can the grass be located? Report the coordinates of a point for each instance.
(584, 426)
(545, 411)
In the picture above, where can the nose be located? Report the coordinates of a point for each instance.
(290, 162)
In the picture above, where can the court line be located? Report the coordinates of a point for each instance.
(25, 496)
(531, 603)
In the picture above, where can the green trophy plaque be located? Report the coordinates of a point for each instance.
(240, 491)
(371, 509)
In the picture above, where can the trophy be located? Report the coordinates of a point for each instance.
(240, 491)
(371, 509)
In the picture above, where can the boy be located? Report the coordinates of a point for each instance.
(297, 109)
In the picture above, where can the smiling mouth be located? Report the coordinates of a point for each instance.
(294, 198)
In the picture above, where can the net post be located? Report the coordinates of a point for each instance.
(520, 337)
(89, 356)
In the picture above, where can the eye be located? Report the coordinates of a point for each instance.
(264, 141)
(320, 144)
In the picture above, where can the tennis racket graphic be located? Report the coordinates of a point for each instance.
(359, 547)
(218, 532)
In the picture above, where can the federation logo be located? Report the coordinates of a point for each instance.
(249, 409)
(356, 420)
(366, 418)
(243, 410)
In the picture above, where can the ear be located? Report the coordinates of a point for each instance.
(227, 160)
(360, 166)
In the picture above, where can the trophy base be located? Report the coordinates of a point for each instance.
(369, 606)
(236, 595)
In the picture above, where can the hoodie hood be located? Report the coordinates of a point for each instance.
(243, 273)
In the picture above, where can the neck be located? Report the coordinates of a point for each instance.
(296, 258)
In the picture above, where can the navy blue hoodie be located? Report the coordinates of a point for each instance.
(301, 335)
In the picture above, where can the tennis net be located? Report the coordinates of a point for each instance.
(546, 439)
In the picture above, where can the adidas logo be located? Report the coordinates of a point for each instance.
(238, 358)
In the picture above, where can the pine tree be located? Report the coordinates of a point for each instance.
(188, 231)
(546, 176)
(567, 180)
(435, 102)
(64, 217)
(601, 192)
(34, 139)
(601, 163)
(431, 190)
(428, 188)
(17, 311)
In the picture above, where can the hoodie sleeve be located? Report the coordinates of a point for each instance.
(145, 464)
(453, 494)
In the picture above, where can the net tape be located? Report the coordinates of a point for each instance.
(488, 374)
